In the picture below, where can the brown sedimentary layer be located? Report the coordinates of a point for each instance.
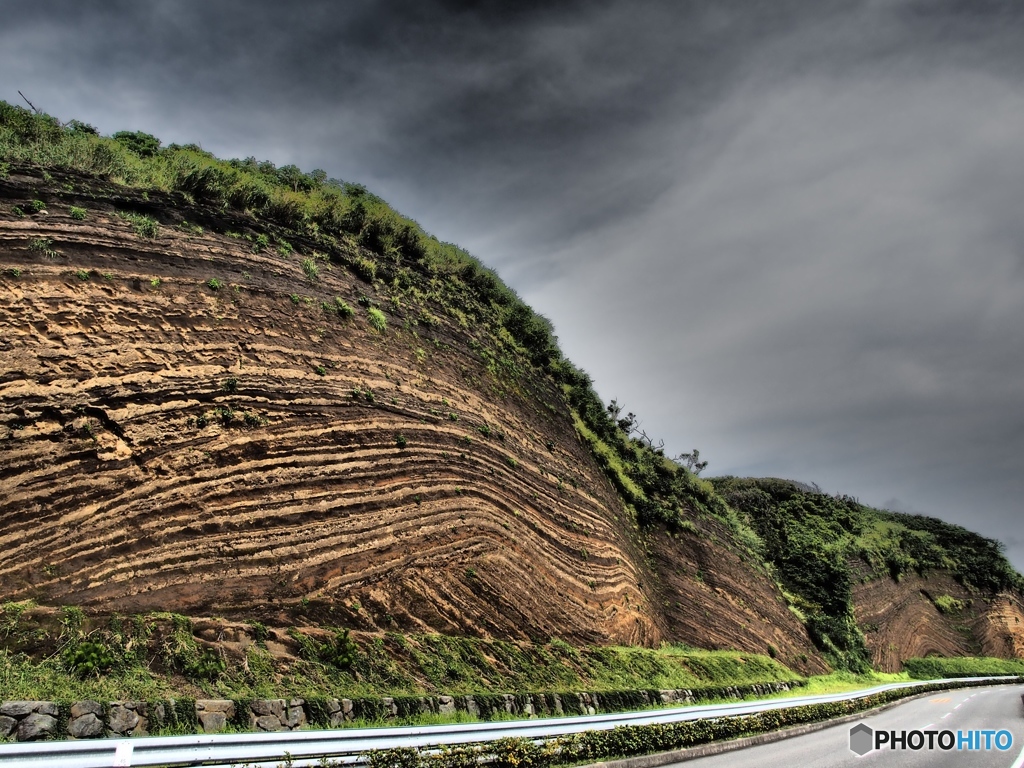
(117, 495)
(238, 448)
(713, 597)
(905, 619)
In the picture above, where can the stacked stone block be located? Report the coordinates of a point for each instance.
(36, 720)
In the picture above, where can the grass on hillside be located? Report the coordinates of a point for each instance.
(63, 654)
(329, 213)
(812, 539)
(164, 661)
(934, 668)
(617, 674)
(843, 682)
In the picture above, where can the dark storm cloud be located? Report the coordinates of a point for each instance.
(788, 233)
(521, 105)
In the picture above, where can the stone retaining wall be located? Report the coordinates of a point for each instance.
(36, 720)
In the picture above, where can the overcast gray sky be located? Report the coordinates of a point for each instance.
(789, 234)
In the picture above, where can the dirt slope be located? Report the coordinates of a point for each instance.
(714, 597)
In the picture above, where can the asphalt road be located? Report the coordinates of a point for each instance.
(995, 708)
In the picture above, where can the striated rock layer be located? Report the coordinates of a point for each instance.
(190, 425)
(189, 422)
(238, 449)
(712, 596)
(907, 619)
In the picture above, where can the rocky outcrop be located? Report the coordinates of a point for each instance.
(189, 425)
(1001, 628)
(209, 421)
(920, 616)
(713, 596)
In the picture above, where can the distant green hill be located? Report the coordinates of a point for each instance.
(810, 539)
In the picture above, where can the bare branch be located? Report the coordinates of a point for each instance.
(28, 102)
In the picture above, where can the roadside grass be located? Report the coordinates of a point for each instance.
(915, 670)
(392, 664)
(843, 682)
(22, 679)
(677, 666)
(967, 666)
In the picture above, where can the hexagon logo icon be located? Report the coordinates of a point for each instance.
(861, 739)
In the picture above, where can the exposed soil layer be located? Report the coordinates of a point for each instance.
(713, 596)
(910, 619)
(241, 450)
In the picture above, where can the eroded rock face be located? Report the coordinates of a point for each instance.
(235, 450)
(172, 446)
(712, 598)
(188, 425)
(1002, 628)
(901, 620)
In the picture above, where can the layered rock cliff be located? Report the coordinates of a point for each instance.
(192, 426)
(217, 403)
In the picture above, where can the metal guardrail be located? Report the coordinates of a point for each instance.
(309, 748)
